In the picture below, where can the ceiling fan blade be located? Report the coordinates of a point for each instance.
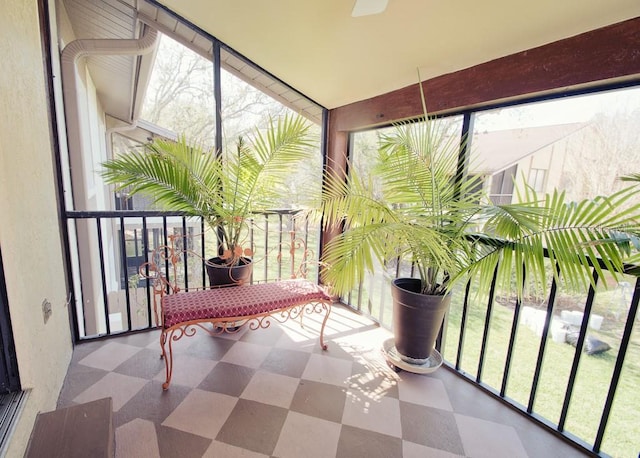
(368, 7)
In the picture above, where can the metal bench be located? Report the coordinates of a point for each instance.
(225, 309)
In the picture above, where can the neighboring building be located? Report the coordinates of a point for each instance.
(512, 157)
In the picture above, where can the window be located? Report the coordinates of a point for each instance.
(536, 179)
(502, 186)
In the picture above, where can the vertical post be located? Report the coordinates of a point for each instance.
(292, 252)
(145, 247)
(543, 345)
(463, 322)
(125, 270)
(615, 378)
(487, 326)
(105, 297)
(576, 357)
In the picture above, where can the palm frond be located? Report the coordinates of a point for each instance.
(578, 238)
(425, 211)
(174, 174)
(224, 189)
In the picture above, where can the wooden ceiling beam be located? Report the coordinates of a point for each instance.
(606, 55)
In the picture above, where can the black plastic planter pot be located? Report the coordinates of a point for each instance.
(221, 274)
(417, 319)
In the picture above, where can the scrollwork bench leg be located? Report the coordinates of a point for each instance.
(168, 359)
(325, 306)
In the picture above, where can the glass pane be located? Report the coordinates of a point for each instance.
(580, 145)
(244, 109)
(180, 94)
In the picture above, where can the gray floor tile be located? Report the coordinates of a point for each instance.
(319, 400)
(151, 403)
(356, 442)
(432, 427)
(227, 378)
(174, 443)
(254, 426)
(286, 362)
(144, 364)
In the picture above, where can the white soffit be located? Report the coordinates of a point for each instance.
(120, 81)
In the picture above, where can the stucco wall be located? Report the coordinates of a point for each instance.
(29, 235)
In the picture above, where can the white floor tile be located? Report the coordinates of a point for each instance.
(270, 388)
(120, 388)
(423, 390)
(202, 413)
(308, 437)
(187, 371)
(246, 354)
(222, 450)
(486, 439)
(110, 356)
(325, 369)
(411, 450)
(363, 412)
(137, 438)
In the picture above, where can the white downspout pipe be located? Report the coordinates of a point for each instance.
(74, 51)
(70, 56)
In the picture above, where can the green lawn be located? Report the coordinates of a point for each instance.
(622, 436)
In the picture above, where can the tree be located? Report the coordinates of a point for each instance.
(180, 97)
(180, 94)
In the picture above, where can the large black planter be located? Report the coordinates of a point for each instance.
(221, 274)
(417, 319)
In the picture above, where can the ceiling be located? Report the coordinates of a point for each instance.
(321, 51)
(317, 47)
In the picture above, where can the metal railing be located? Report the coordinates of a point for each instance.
(519, 352)
(513, 350)
(112, 298)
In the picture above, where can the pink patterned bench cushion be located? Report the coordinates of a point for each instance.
(239, 301)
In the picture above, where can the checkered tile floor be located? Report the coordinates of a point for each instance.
(273, 392)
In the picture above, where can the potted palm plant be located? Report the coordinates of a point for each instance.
(223, 189)
(419, 207)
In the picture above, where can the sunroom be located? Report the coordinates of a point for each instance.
(546, 94)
